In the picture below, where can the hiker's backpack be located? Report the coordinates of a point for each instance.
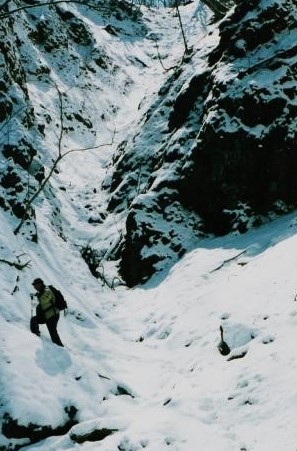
(60, 302)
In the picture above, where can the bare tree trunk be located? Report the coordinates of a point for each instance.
(181, 26)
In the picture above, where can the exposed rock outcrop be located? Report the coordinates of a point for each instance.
(229, 154)
(245, 151)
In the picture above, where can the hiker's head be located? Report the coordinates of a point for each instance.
(38, 284)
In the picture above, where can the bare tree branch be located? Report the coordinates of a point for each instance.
(48, 3)
(105, 281)
(17, 265)
(56, 162)
(228, 261)
(187, 50)
(160, 59)
(181, 26)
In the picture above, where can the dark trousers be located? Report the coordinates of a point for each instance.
(51, 324)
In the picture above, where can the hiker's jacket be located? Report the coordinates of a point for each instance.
(47, 303)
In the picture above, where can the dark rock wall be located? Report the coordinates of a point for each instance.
(17, 125)
(230, 144)
(246, 150)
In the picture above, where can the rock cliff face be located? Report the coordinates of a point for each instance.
(246, 151)
(227, 159)
(17, 121)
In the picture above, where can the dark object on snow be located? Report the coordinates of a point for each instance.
(60, 302)
(238, 354)
(222, 346)
(94, 435)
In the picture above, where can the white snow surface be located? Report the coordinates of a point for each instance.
(158, 341)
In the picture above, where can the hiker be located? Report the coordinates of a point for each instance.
(46, 312)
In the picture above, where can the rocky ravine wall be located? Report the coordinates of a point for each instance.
(46, 47)
(228, 156)
(247, 153)
(17, 125)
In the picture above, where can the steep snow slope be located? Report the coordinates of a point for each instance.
(141, 369)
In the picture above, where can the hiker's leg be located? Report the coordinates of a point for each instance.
(34, 327)
(52, 328)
